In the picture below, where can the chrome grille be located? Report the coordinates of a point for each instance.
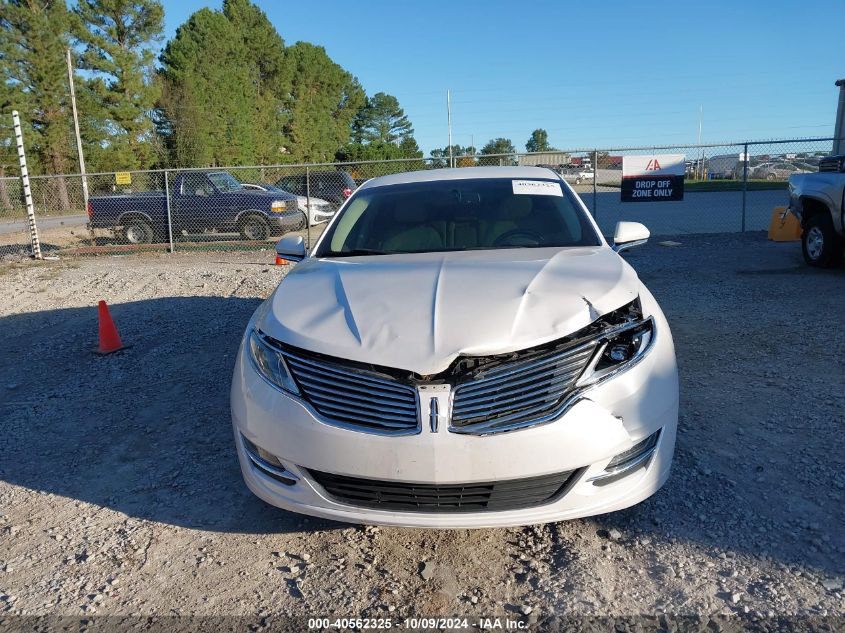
(519, 393)
(354, 397)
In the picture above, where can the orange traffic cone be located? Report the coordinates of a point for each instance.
(109, 338)
(281, 261)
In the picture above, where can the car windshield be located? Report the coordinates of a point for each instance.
(458, 215)
(224, 181)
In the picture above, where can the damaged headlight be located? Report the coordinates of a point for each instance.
(270, 363)
(618, 349)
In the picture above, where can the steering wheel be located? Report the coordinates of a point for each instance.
(528, 238)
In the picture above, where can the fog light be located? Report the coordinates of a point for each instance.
(268, 463)
(619, 353)
(627, 462)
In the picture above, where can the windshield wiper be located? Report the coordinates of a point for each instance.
(356, 252)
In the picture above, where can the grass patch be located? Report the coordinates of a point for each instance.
(733, 185)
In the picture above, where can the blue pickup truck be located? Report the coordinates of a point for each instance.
(200, 202)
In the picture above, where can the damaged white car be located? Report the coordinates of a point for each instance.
(462, 348)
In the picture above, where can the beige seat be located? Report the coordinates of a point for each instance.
(412, 230)
(507, 217)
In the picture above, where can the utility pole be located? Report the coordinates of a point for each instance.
(449, 120)
(839, 128)
(76, 129)
(700, 149)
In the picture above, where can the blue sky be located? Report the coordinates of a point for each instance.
(593, 74)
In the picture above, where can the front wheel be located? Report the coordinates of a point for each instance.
(255, 228)
(820, 244)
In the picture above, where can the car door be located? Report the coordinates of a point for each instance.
(193, 202)
(226, 202)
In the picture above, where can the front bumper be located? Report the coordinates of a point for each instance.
(609, 419)
(284, 222)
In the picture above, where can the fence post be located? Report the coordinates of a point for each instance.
(167, 208)
(595, 176)
(27, 192)
(744, 183)
(307, 209)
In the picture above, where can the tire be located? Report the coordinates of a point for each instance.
(820, 244)
(137, 231)
(255, 228)
(771, 177)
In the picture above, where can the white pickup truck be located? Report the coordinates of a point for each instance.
(818, 201)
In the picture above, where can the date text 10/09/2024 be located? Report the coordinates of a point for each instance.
(411, 624)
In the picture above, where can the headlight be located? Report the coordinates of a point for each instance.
(620, 348)
(280, 206)
(270, 363)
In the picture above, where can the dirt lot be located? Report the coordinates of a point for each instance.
(120, 491)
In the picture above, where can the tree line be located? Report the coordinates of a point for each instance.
(225, 90)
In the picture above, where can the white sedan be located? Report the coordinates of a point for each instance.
(462, 348)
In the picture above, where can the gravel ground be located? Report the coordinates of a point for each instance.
(120, 491)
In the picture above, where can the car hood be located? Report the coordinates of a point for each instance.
(315, 202)
(265, 195)
(418, 312)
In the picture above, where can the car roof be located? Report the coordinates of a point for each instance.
(460, 173)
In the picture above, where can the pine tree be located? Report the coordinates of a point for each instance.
(268, 71)
(118, 36)
(9, 97)
(225, 82)
(322, 103)
(32, 54)
(209, 99)
(381, 120)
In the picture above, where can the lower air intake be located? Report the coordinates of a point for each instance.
(511, 494)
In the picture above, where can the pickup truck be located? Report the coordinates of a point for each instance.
(818, 201)
(200, 202)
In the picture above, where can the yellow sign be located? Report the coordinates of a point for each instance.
(123, 178)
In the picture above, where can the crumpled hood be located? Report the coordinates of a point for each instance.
(418, 312)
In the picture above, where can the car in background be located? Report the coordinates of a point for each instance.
(321, 210)
(332, 186)
(201, 203)
(775, 171)
(578, 174)
(725, 167)
(462, 348)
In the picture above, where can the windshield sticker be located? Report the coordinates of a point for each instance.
(537, 188)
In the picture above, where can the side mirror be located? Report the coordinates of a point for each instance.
(291, 248)
(628, 235)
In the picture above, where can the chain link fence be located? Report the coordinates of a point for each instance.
(730, 187)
